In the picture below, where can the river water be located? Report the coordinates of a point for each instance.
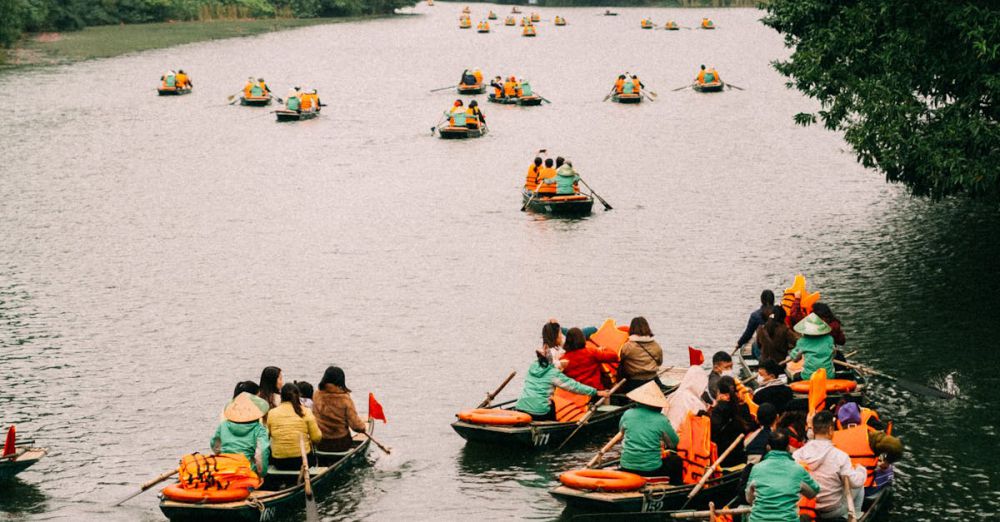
(155, 251)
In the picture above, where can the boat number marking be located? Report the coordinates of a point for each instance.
(539, 439)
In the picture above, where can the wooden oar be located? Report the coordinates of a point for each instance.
(604, 400)
(852, 516)
(443, 88)
(651, 100)
(711, 469)
(607, 447)
(434, 128)
(680, 88)
(532, 198)
(312, 514)
(608, 97)
(490, 396)
(232, 98)
(544, 99)
(147, 485)
(386, 449)
(598, 196)
(731, 86)
(909, 385)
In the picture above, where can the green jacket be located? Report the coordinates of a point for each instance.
(645, 429)
(539, 385)
(818, 352)
(777, 481)
(565, 178)
(247, 438)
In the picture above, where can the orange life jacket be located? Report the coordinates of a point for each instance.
(569, 406)
(182, 81)
(854, 442)
(619, 85)
(696, 447)
(510, 88)
(246, 90)
(637, 84)
(477, 73)
(306, 101)
(746, 395)
(531, 180)
(225, 471)
(807, 509)
(546, 173)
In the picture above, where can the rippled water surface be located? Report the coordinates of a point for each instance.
(157, 250)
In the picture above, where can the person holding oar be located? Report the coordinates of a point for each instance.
(832, 469)
(645, 432)
(335, 412)
(777, 482)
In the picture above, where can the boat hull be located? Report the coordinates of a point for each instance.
(173, 92)
(461, 133)
(747, 366)
(262, 506)
(529, 101)
(24, 459)
(472, 89)
(627, 98)
(652, 498)
(569, 207)
(708, 87)
(255, 102)
(540, 435)
(502, 101)
(286, 115)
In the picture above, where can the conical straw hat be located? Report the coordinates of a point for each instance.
(648, 394)
(245, 408)
(812, 325)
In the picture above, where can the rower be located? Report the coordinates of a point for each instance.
(701, 75)
(169, 80)
(306, 102)
(476, 117)
(777, 482)
(619, 83)
(183, 81)
(646, 432)
(828, 466)
(468, 79)
(816, 345)
(547, 172)
(638, 85)
(757, 318)
(565, 180)
(248, 88)
(261, 89)
(497, 85)
(242, 432)
(293, 101)
(534, 171)
(510, 87)
(335, 412)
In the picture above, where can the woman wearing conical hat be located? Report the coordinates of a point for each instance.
(242, 432)
(816, 345)
(646, 432)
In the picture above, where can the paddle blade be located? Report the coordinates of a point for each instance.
(9, 445)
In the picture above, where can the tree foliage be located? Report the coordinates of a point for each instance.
(913, 84)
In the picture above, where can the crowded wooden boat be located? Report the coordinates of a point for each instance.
(18, 456)
(175, 83)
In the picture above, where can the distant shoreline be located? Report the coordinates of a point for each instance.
(613, 4)
(106, 41)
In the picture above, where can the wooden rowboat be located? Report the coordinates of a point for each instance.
(287, 115)
(23, 458)
(656, 495)
(529, 101)
(529, 31)
(627, 98)
(708, 87)
(461, 133)
(502, 101)
(479, 88)
(255, 101)
(577, 205)
(491, 16)
(288, 491)
(172, 91)
(671, 26)
(510, 21)
(747, 366)
(540, 434)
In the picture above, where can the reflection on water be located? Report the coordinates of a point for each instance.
(156, 251)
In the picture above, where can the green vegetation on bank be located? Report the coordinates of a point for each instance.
(914, 86)
(35, 16)
(113, 40)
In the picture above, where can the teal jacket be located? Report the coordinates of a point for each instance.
(565, 178)
(776, 483)
(818, 352)
(539, 385)
(645, 429)
(246, 438)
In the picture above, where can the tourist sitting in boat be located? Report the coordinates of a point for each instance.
(646, 433)
(795, 422)
(245, 386)
(771, 387)
(722, 365)
(861, 434)
(510, 88)
(498, 87)
(583, 363)
(288, 424)
(293, 100)
(306, 393)
(547, 172)
(777, 482)
(836, 331)
(816, 345)
(471, 78)
(183, 80)
(242, 432)
(707, 76)
(641, 356)
(757, 318)
(775, 339)
(629, 87)
(534, 171)
(168, 80)
(261, 89)
(335, 412)
(524, 89)
(687, 397)
(619, 84)
(270, 385)
(637, 85)
(829, 466)
(248, 87)
(542, 379)
(306, 102)
(730, 418)
(755, 443)
(565, 180)
(476, 116)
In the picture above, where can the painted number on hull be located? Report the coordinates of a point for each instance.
(652, 505)
(540, 439)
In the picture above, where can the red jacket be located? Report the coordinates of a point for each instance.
(584, 365)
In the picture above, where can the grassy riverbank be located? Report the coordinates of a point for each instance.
(113, 40)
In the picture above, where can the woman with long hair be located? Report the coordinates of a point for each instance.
(775, 338)
(583, 363)
(287, 424)
(270, 385)
(335, 412)
(730, 418)
(542, 379)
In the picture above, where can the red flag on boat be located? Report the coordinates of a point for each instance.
(375, 409)
(9, 446)
(697, 358)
